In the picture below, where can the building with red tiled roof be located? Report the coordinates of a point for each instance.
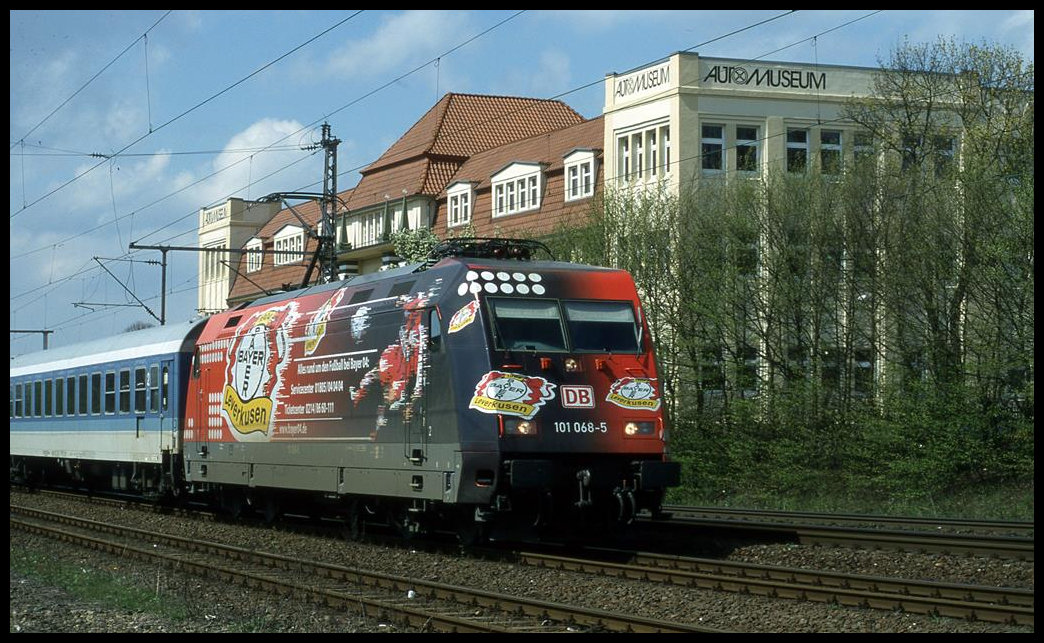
(527, 188)
(479, 142)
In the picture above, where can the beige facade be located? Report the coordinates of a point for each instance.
(677, 120)
(226, 225)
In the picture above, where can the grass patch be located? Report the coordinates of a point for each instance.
(982, 503)
(102, 587)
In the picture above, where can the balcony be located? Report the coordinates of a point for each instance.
(365, 234)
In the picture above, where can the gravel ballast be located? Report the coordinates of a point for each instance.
(217, 607)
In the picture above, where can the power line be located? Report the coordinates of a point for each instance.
(461, 45)
(89, 81)
(414, 70)
(191, 109)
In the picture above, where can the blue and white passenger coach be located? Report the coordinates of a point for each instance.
(104, 411)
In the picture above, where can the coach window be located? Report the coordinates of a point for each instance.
(140, 389)
(164, 390)
(125, 390)
(59, 397)
(82, 394)
(70, 396)
(110, 392)
(96, 394)
(18, 400)
(37, 398)
(48, 397)
(154, 389)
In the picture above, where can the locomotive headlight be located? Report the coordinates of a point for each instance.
(518, 426)
(571, 365)
(633, 428)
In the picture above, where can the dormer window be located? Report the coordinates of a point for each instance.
(255, 256)
(288, 239)
(579, 174)
(517, 188)
(459, 200)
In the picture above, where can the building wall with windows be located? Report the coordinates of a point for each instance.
(688, 117)
(527, 188)
(691, 119)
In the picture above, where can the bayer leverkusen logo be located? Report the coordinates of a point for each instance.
(511, 394)
(635, 393)
(256, 359)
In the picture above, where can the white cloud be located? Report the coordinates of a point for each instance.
(402, 40)
(246, 169)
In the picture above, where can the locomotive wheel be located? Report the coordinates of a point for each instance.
(234, 502)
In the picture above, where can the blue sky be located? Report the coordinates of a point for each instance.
(124, 123)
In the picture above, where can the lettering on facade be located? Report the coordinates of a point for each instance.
(766, 77)
(643, 81)
(213, 215)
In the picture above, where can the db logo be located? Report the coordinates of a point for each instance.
(577, 396)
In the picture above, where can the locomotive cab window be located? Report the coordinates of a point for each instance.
(602, 326)
(527, 324)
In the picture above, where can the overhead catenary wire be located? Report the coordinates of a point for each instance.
(194, 108)
(144, 35)
(438, 58)
(351, 169)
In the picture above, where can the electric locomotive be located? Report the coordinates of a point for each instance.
(485, 387)
(481, 387)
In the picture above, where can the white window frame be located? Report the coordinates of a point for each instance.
(863, 146)
(254, 260)
(831, 149)
(643, 153)
(580, 168)
(289, 239)
(517, 188)
(753, 143)
(716, 141)
(800, 146)
(459, 199)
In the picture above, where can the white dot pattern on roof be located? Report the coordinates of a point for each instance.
(501, 282)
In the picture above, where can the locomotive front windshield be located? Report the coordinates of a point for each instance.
(578, 325)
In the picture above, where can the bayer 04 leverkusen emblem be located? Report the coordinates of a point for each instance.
(511, 394)
(634, 393)
(257, 356)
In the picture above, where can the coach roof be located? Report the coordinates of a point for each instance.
(159, 340)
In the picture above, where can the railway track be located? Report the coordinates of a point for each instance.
(973, 602)
(681, 527)
(425, 605)
(1013, 528)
